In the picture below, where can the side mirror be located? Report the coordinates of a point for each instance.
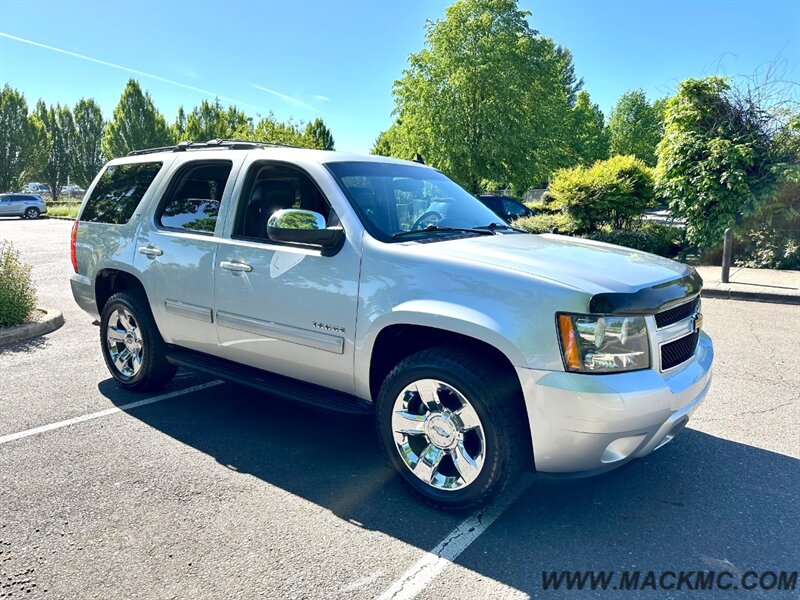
(302, 227)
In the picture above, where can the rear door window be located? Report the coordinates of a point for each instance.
(119, 191)
(193, 200)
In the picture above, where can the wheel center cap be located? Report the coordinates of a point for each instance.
(131, 343)
(441, 431)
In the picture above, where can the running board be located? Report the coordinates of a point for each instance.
(271, 383)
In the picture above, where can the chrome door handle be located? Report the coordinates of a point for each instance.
(150, 250)
(236, 266)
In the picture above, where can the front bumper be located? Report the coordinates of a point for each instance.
(588, 424)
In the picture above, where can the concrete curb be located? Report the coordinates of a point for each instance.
(58, 218)
(727, 294)
(52, 320)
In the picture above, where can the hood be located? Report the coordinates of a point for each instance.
(586, 265)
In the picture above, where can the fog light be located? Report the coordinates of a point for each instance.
(621, 449)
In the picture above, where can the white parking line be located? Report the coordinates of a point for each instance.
(425, 570)
(104, 413)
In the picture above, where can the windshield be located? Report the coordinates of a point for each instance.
(392, 199)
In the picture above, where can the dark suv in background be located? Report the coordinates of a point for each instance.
(506, 207)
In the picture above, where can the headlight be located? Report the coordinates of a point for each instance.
(603, 344)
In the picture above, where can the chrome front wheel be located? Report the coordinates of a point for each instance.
(438, 434)
(124, 342)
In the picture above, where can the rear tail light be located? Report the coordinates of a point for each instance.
(73, 238)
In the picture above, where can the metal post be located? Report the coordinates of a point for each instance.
(727, 251)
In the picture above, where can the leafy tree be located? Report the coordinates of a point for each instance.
(635, 127)
(383, 144)
(269, 129)
(20, 155)
(88, 154)
(136, 124)
(37, 149)
(59, 127)
(611, 192)
(724, 153)
(486, 99)
(589, 136)
(211, 121)
(318, 135)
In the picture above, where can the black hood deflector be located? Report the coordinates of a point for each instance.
(650, 299)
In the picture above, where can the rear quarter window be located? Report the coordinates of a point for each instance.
(119, 191)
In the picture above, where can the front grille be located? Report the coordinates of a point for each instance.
(679, 351)
(678, 313)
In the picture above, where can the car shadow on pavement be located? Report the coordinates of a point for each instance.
(700, 503)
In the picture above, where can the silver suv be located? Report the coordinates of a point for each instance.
(366, 284)
(27, 206)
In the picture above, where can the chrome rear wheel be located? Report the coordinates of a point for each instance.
(124, 342)
(133, 349)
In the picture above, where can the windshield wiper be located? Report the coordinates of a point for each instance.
(495, 226)
(438, 229)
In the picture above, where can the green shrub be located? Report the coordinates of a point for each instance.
(546, 223)
(17, 294)
(63, 211)
(611, 192)
(654, 238)
(668, 241)
(769, 249)
(770, 239)
(638, 240)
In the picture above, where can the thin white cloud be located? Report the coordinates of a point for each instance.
(128, 70)
(290, 99)
(322, 98)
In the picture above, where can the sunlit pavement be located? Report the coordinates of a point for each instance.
(225, 493)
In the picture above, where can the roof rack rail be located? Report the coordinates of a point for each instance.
(231, 144)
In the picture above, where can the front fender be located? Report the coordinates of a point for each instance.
(437, 314)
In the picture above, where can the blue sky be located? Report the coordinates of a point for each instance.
(338, 59)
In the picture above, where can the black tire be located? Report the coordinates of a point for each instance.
(495, 395)
(31, 213)
(154, 370)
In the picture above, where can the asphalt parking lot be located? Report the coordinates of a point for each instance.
(225, 493)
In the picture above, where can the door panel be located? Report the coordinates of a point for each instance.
(176, 250)
(292, 313)
(179, 284)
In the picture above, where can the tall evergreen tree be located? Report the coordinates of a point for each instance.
(136, 124)
(88, 152)
(318, 135)
(178, 128)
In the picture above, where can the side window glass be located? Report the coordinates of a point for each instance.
(118, 192)
(275, 187)
(193, 204)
